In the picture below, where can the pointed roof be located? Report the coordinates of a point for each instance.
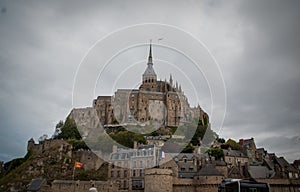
(149, 70)
(150, 55)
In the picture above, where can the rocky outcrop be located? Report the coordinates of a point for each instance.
(87, 121)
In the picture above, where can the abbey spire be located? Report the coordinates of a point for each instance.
(149, 75)
(150, 55)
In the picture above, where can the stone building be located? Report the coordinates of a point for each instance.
(235, 157)
(248, 147)
(188, 164)
(160, 102)
(283, 169)
(127, 166)
(209, 174)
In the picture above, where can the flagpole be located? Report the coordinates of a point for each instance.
(76, 165)
(74, 177)
(73, 173)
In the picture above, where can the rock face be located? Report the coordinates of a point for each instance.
(50, 158)
(54, 159)
(87, 121)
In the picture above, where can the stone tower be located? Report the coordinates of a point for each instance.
(158, 180)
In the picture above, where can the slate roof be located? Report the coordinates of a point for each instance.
(186, 174)
(284, 164)
(233, 153)
(149, 70)
(260, 172)
(233, 170)
(189, 156)
(220, 163)
(209, 170)
(36, 184)
(269, 164)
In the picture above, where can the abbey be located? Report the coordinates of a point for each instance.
(156, 101)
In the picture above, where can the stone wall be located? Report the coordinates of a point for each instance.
(158, 180)
(161, 180)
(190, 185)
(282, 185)
(48, 144)
(81, 186)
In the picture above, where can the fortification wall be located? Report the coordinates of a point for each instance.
(282, 185)
(210, 184)
(160, 180)
(48, 144)
(81, 186)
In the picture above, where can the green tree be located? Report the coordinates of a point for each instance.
(221, 140)
(69, 130)
(127, 138)
(215, 152)
(60, 124)
(233, 144)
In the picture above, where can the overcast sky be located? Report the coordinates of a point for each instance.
(256, 44)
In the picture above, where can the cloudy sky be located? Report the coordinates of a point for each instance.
(256, 44)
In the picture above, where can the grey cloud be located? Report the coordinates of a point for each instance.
(256, 44)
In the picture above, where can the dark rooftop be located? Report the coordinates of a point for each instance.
(36, 184)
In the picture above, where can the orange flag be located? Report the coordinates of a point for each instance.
(78, 164)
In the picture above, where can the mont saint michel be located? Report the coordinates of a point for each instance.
(160, 101)
(100, 148)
